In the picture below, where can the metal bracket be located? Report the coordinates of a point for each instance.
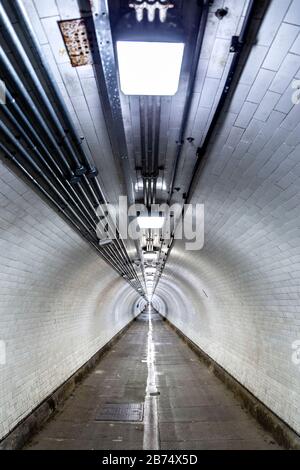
(163, 6)
(75, 179)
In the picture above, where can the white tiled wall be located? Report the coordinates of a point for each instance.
(59, 302)
(239, 298)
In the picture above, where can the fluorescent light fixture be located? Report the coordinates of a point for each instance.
(151, 222)
(105, 242)
(149, 68)
(150, 256)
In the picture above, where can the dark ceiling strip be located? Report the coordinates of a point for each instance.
(150, 112)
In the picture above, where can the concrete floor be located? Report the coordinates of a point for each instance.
(185, 405)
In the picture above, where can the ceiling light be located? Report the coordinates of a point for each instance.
(149, 68)
(148, 222)
(150, 270)
(150, 256)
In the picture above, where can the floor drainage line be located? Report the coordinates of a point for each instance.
(151, 433)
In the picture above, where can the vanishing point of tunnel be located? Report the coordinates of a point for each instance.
(149, 225)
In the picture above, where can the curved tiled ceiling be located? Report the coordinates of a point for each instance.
(237, 298)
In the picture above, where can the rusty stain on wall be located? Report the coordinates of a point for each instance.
(78, 41)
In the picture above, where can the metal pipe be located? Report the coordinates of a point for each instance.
(27, 98)
(18, 51)
(22, 15)
(156, 145)
(25, 155)
(149, 142)
(8, 135)
(7, 66)
(12, 158)
(35, 150)
(21, 118)
(93, 188)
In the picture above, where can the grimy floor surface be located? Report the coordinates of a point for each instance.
(181, 404)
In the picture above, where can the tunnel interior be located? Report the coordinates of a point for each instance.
(225, 143)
